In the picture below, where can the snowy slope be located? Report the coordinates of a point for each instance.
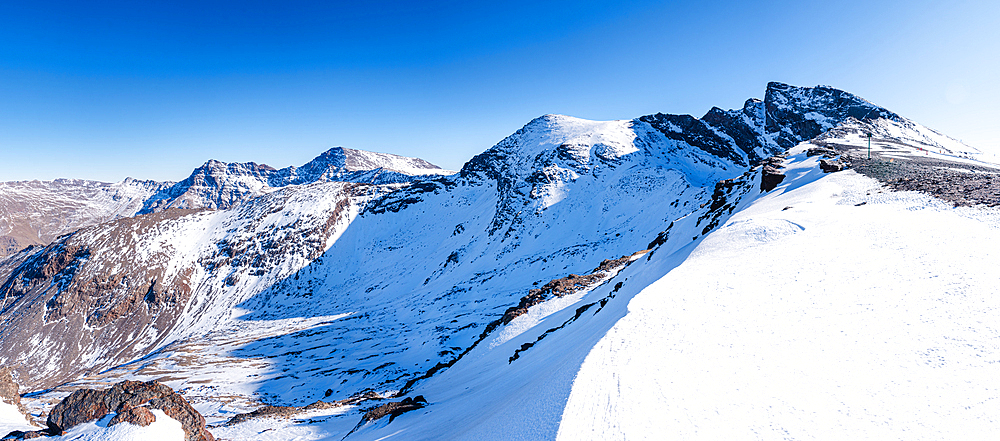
(864, 322)
(11, 419)
(850, 326)
(335, 278)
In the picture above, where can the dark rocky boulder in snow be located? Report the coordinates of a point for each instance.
(771, 174)
(825, 151)
(140, 416)
(87, 405)
(770, 178)
(831, 165)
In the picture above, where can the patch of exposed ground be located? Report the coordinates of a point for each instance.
(958, 183)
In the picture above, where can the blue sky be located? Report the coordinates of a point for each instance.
(151, 90)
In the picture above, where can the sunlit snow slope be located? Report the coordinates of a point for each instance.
(325, 289)
(825, 309)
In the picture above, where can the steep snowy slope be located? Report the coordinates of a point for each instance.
(872, 317)
(828, 307)
(333, 289)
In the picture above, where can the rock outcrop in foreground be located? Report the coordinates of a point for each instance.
(131, 401)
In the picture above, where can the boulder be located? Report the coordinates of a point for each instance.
(830, 165)
(825, 151)
(140, 416)
(126, 399)
(770, 178)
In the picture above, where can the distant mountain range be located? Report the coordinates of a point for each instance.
(36, 212)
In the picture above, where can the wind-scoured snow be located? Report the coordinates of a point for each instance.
(825, 320)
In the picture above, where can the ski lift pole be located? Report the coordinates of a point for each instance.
(869, 144)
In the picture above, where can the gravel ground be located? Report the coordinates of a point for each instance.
(959, 183)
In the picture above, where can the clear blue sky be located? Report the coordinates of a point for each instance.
(152, 89)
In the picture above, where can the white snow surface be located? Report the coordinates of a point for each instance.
(163, 429)
(823, 321)
(11, 419)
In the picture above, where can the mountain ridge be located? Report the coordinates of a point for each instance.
(335, 288)
(75, 203)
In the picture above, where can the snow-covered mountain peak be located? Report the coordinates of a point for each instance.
(796, 114)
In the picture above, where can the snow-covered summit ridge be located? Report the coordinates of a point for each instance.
(727, 139)
(221, 185)
(36, 212)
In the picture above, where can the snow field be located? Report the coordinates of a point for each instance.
(163, 429)
(826, 320)
(11, 419)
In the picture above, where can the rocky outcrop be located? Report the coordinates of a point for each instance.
(831, 165)
(140, 416)
(290, 411)
(9, 390)
(563, 286)
(131, 401)
(771, 174)
(394, 409)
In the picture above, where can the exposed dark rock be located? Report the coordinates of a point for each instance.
(830, 165)
(34, 434)
(290, 411)
(804, 110)
(86, 405)
(394, 409)
(263, 412)
(827, 152)
(140, 416)
(695, 133)
(770, 178)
